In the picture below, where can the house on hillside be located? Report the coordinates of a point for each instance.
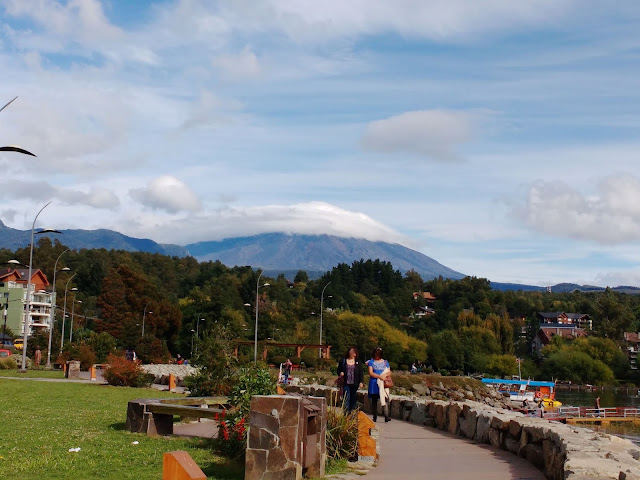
(633, 344)
(582, 320)
(422, 311)
(13, 300)
(549, 330)
(425, 296)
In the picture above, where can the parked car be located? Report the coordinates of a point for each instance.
(4, 353)
(18, 343)
(7, 343)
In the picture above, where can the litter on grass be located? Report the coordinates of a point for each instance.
(75, 450)
(135, 443)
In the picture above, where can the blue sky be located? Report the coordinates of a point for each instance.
(499, 137)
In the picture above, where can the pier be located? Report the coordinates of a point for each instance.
(597, 416)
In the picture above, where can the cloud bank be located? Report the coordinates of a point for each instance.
(610, 215)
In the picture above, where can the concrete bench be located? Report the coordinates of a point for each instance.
(154, 416)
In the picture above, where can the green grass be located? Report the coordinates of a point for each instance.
(32, 374)
(43, 420)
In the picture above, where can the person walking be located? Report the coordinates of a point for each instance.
(37, 358)
(350, 370)
(379, 370)
(287, 370)
(597, 406)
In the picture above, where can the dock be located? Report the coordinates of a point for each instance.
(596, 416)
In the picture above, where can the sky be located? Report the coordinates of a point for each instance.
(498, 137)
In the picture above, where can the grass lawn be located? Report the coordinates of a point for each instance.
(33, 373)
(41, 421)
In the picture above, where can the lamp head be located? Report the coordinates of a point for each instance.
(48, 230)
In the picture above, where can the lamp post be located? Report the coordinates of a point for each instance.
(255, 346)
(28, 308)
(53, 305)
(321, 312)
(13, 148)
(192, 332)
(73, 307)
(198, 326)
(64, 311)
(144, 314)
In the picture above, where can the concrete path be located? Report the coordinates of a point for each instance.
(409, 451)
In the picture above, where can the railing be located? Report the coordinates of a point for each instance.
(584, 412)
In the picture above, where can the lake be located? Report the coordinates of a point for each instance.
(608, 398)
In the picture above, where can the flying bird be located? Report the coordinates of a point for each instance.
(13, 148)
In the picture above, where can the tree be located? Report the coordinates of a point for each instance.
(301, 277)
(613, 317)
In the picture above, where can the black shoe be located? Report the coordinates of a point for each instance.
(375, 417)
(387, 419)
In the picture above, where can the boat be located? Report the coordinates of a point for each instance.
(531, 390)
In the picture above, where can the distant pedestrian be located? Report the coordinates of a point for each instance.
(414, 369)
(129, 355)
(598, 406)
(350, 370)
(379, 370)
(287, 370)
(38, 358)
(179, 359)
(540, 409)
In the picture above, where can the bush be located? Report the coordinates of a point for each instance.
(278, 359)
(124, 373)
(243, 359)
(404, 368)
(216, 361)
(342, 433)
(325, 364)
(250, 381)
(393, 365)
(8, 363)
(102, 344)
(443, 372)
(83, 353)
(456, 373)
(153, 350)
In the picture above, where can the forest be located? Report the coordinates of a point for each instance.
(474, 329)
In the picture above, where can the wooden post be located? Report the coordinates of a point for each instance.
(172, 382)
(180, 466)
(92, 372)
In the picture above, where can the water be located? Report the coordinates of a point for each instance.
(608, 398)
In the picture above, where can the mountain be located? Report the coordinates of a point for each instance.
(280, 252)
(13, 239)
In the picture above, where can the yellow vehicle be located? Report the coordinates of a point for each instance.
(18, 343)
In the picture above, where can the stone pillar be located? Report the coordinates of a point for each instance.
(287, 437)
(73, 370)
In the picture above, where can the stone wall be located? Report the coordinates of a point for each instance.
(560, 451)
(161, 372)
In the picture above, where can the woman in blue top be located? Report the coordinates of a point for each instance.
(378, 370)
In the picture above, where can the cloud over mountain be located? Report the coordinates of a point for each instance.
(167, 193)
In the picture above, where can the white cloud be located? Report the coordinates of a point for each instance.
(241, 66)
(40, 191)
(311, 218)
(610, 215)
(434, 134)
(167, 193)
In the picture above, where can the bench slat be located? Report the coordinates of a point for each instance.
(183, 411)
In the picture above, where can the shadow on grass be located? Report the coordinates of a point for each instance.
(223, 469)
(118, 426)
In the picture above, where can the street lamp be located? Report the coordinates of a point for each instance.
(64, 311)
(144, 314)
(321, 312)
(192, 332)
(53, 305)
(255, 345)
(28, 309)
(73, 307)
(14, 148)
(198, 326)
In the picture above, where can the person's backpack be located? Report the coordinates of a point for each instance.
(129, 355)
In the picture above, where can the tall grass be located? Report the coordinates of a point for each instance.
(342, 433)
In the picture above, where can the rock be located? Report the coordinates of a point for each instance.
(418, 414)
(453, 413)
(420, 389)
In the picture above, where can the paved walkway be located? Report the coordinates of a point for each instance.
(409, 451)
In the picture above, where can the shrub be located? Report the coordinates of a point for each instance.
(309, 361)
(250, 381)
(342, 433)
(325, 364)
(243, 359)
(83, 353)
(124, 373)
(216, 361)
(278, 359)
(393, 365)
(456, 373)
(443, 372)
(152, 350)
(404, 368)
(8, 363)
(102, 344)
